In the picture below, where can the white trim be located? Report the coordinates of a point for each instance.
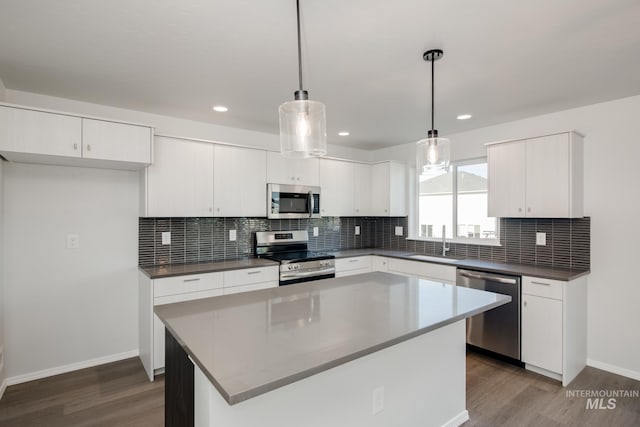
(542, 371)
(18, 379)
(502, 141)
(458, 420)
(3, 387)
(634, 375)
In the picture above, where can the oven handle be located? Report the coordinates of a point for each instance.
(488, 277)
(310, 204)
(296, 274)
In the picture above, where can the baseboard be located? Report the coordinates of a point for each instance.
(458, 420)
(634, 375)
(69, 368)
(542, 371)
(3, 387)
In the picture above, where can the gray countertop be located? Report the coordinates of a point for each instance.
(248, 344)
(169, 270)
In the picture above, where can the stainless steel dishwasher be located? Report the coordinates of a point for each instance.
(496, 330)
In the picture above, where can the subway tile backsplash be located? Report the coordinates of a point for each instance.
(207, 239)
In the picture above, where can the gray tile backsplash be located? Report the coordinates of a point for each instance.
(206, 239)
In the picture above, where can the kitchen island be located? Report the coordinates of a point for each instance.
(374, 349)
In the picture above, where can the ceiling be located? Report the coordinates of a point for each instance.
(503, 60)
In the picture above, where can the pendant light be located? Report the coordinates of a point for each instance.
(432, 153)
(303, 127)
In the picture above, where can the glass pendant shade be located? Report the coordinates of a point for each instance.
(303, 129)
(432, 154)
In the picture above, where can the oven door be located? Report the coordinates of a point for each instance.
(291, 277)
(292, 201)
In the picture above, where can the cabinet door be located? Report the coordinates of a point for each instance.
(240, 185)
(506, 163)
(282, 170)
(380, 186)
(35, 132)
(336, 182)
(180, 181)
(104, 140)
(542, 332)
(379, 263)
(361, 189)
(548, 176)
(397, 189)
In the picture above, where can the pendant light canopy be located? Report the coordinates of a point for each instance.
(432, 153)
(303, 123)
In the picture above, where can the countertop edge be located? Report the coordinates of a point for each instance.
(260, 262)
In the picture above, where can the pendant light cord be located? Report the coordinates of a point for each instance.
(299, 46)
(433, 63)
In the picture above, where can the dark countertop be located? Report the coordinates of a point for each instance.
(564, 274)
(169, 270)
(284, 334)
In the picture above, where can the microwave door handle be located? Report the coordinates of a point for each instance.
(310, 204)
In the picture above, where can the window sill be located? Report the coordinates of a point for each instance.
(480, 242)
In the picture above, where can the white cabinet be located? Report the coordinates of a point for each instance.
(353, 265)
(284, 170)
(426, 270)
(336, 183)
(361, 189)
(32, 136)
(379, 263)
(240, 182)
(180, 181)
(186, 288)
(102, 140)
(389, 189)
(554, 341)
(537, 177)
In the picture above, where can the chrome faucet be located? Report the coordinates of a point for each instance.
(445, 249)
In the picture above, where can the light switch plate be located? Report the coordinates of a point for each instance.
(357, 231)
(166, 237)
(316, 232)
(541, 239)
(399, 231)
(73, 241)
(232, 235)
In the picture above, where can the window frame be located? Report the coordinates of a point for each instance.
(414, 210)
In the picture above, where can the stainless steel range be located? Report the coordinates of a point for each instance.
(297, 263)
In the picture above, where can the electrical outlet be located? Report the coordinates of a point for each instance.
(541, 239)
(166, 237)
(73, 241)
(378, 400)
(399, 231)
(232, 235)
(357, 231)
(316, 232)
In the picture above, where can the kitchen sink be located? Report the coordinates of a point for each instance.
(434, 259)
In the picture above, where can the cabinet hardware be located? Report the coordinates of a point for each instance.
(540, 283)
(75, 146)
(191, 280)
(353, 260)
(88, 147)
(529, 210)
(524, 303)
(519, 209)
(255, 272)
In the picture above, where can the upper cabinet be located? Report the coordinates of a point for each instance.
(180, 181)
(32, 136)
(336, 186)
(284, 170)
(388, 189)
(536, 177)
(361, 189)
(240, 181)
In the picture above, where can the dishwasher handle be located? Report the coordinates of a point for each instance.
(481, 276)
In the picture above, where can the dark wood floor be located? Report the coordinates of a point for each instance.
(498, 394)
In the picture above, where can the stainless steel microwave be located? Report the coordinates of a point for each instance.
(292, 201)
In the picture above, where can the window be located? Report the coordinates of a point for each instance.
(457, 201)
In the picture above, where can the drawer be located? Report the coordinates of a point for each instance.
(355, 263)
(186, 284)
(170, 299)
(248, 276)
(345, 273)
(542, 287)
(426, 270)
(247, 288)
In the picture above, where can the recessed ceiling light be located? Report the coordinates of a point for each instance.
(343, 133)
(464, 116)
(220, 108)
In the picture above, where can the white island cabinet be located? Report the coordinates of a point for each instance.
(554, 336)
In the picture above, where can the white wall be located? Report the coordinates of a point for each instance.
(173, 126)
(612, 200)
(2, 299)
(68, 306)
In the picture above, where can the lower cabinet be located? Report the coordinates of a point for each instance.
(379, 263)
(169, 290)
(353, 265)
(554, 338)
